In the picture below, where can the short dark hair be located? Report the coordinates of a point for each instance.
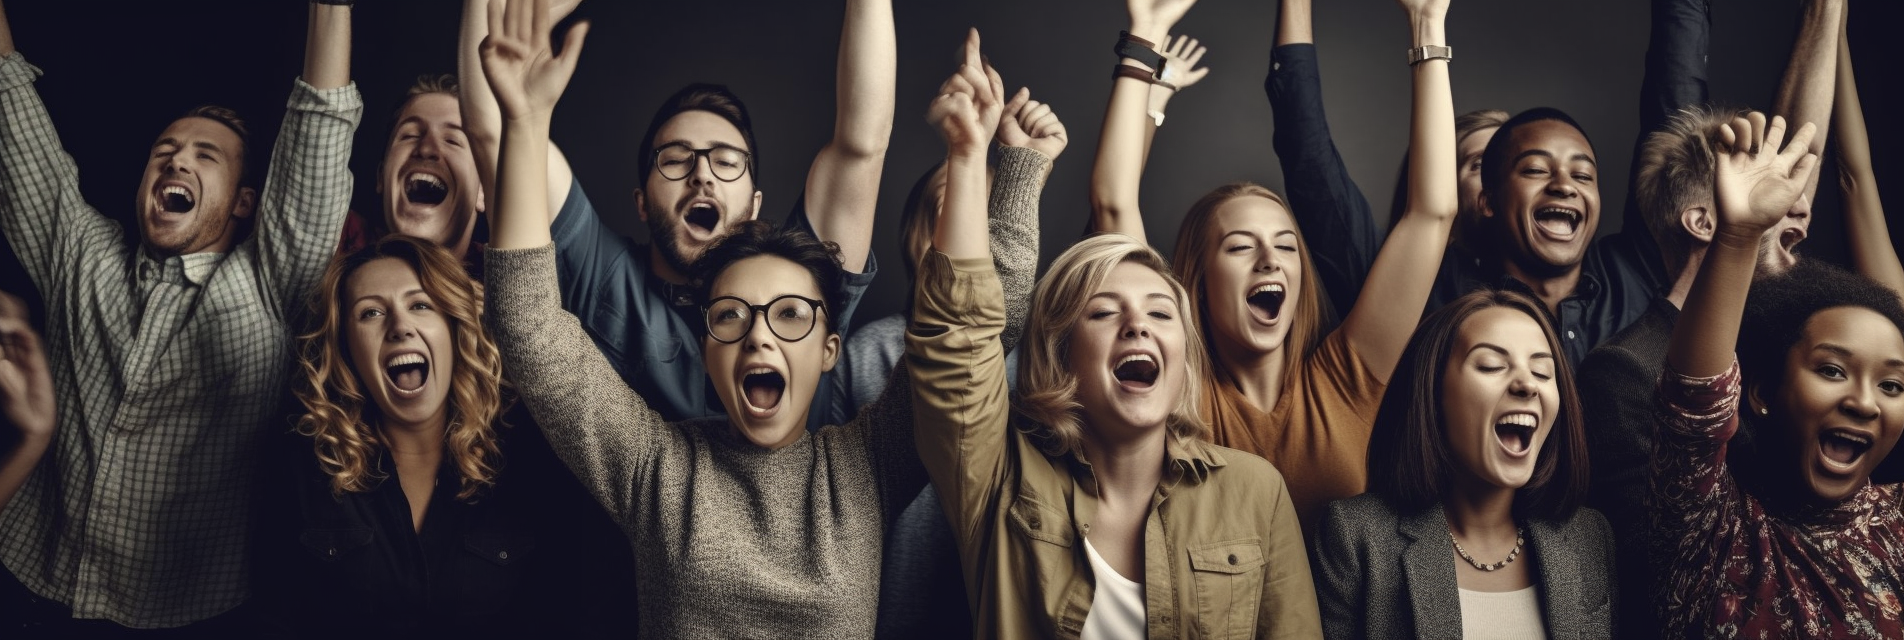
(1409, 462)
(757, 238)
(1494, 161)
(444, 83)
(228, 117)
(701, 96)
(1776, 312)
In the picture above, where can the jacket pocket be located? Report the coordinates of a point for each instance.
(334, 545)
(1228, 577)
(1037, 521)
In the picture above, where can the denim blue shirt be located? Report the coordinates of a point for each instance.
(651, 330)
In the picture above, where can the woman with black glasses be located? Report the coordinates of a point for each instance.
(744, 525)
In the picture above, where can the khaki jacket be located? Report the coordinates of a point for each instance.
(1223, 552)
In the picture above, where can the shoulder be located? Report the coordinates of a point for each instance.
(1586, 528)
(1242, 470)
(876, 334)
(1366, 512)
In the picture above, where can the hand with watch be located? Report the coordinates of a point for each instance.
(1175, 67)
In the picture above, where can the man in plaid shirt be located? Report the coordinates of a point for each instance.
(169, 355)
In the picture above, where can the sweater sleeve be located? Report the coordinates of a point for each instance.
(601, 429)
(1016, 186)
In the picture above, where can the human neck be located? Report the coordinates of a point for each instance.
(1127, 468)
(1551, 289)
(1258, 375)
(663, 269)
(416, 441)
(1479, 511)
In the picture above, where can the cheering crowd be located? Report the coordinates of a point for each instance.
(481, 412)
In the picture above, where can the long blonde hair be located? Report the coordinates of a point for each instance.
(1047, 404)
(1194, 246)
(342, 422)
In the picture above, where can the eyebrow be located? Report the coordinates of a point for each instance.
(405, 294)
(1846, 353)
(1578, 157)
(1150, 296)
(426, 124)
(197, 144)
(710, 145)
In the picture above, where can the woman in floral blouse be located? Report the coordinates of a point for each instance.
(1804, 545)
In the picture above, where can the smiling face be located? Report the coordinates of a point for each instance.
(1841, 401)
(686, 216)
(1127, 352)
(1499, 397)
(428, 179)
(767, 383)
(189, 199)
(1547, 201)
(1253, 279)
(399, 343)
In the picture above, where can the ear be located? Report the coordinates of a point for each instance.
(1753, 402)
(641, 204)
(830, 351)
(756, 214)
(246, 202)
(482, 201)
(1699, 222)
(1481, 205)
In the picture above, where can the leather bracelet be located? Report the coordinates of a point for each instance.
(1127, 71)
(1425, 53)
(1139, 49)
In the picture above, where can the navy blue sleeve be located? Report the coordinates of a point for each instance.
(1675, 79)
(832, 402)
(1335, 217)
(589, 256)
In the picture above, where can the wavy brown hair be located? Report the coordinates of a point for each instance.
(345, 427)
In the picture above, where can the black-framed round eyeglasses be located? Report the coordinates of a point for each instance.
(789, 317)
(676, 161)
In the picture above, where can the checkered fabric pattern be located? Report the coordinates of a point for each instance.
(168, 371)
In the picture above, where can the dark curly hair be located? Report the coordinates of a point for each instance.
(756, 238)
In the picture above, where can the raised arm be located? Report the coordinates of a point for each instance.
(1870, 236)
(1404, 272)
(1324, 199)
(1030, 138)
(327, 47)
(1124, 143)
(1755, 185)
(526, 77)
(843, 186)
(966, 114)
(1804, 94)
(26, 392)
(482, 117)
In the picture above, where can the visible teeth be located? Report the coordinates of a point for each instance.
(1135, 357)
(1518, 420)
(403, 359)
(759, 371)
(1571, 214)
(1860, 439)
(426, 178)
(174, 190)
(1268, 288)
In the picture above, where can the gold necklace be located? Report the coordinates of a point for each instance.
(1519, 539)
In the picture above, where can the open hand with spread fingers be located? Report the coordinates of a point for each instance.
(1756, 181)
(1033, 125)
(26, 384)
(523, 69)
(970, 103)
(1181, 56)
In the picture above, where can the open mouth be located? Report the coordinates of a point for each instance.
(1558, 221)
(1516, 432)
(176, 199)
(1843, 447)
(407, 372)
(703, 217)
(423, 188)
(1268, 299)
(763, 388)
(1790, 238)
(1137, 369)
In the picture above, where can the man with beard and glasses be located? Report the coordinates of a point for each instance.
(169, 355)
(698, 181)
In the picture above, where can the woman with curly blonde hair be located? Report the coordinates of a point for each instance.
(402, 517)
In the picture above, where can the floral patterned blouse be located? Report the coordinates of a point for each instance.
(1732, 569)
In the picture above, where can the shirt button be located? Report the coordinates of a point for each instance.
(1034, 523)
(1087, 528)
(332, 552)
(502, 555)
(1232, 558)
(1570, 334)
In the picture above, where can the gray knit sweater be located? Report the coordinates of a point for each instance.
(731, 540)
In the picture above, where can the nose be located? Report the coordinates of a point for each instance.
(758, 333)
(1523, 386)
(428, 147)
(1563, 185)
(1860, 404)
(1268, 260)
(703, 173)
(1136, 326)
(401, 327)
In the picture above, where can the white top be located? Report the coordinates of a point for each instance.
(1117, 608)
(1498, 615)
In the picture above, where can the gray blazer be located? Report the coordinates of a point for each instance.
(1380, 574)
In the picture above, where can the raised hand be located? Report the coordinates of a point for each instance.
(1181, 56)
(1157, 15)
(1033, 125)
(969, 105)
(525, 73)
(1433, 8)
(1755, 182)
(26, 385)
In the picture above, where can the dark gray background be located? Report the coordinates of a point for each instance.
(115, 76)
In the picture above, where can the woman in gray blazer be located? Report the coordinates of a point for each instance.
(1472, 526)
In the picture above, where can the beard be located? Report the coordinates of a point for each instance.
(662, 234)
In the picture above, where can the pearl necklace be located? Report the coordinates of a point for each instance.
(1519, 539)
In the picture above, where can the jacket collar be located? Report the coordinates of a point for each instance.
(1433, 588)
(1185, 459)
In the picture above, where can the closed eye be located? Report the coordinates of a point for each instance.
(1239, 248)
(369, 313)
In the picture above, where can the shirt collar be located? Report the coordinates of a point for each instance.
(1184, 459)
(195, 268)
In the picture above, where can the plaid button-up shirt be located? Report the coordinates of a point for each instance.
(168, 371)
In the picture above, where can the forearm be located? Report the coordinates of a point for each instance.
(17, 463)
(519, 215)
(327, 46)
(961, 233)
(6, 32)
(1870, 236)
(1016, 188)
(1294, 24)
(1123, 146)
(1707, 330)
(482, 116)
(843, 185)
(1805, 91)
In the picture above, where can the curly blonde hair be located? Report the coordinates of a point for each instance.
(1047, 405)
(343, 425)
